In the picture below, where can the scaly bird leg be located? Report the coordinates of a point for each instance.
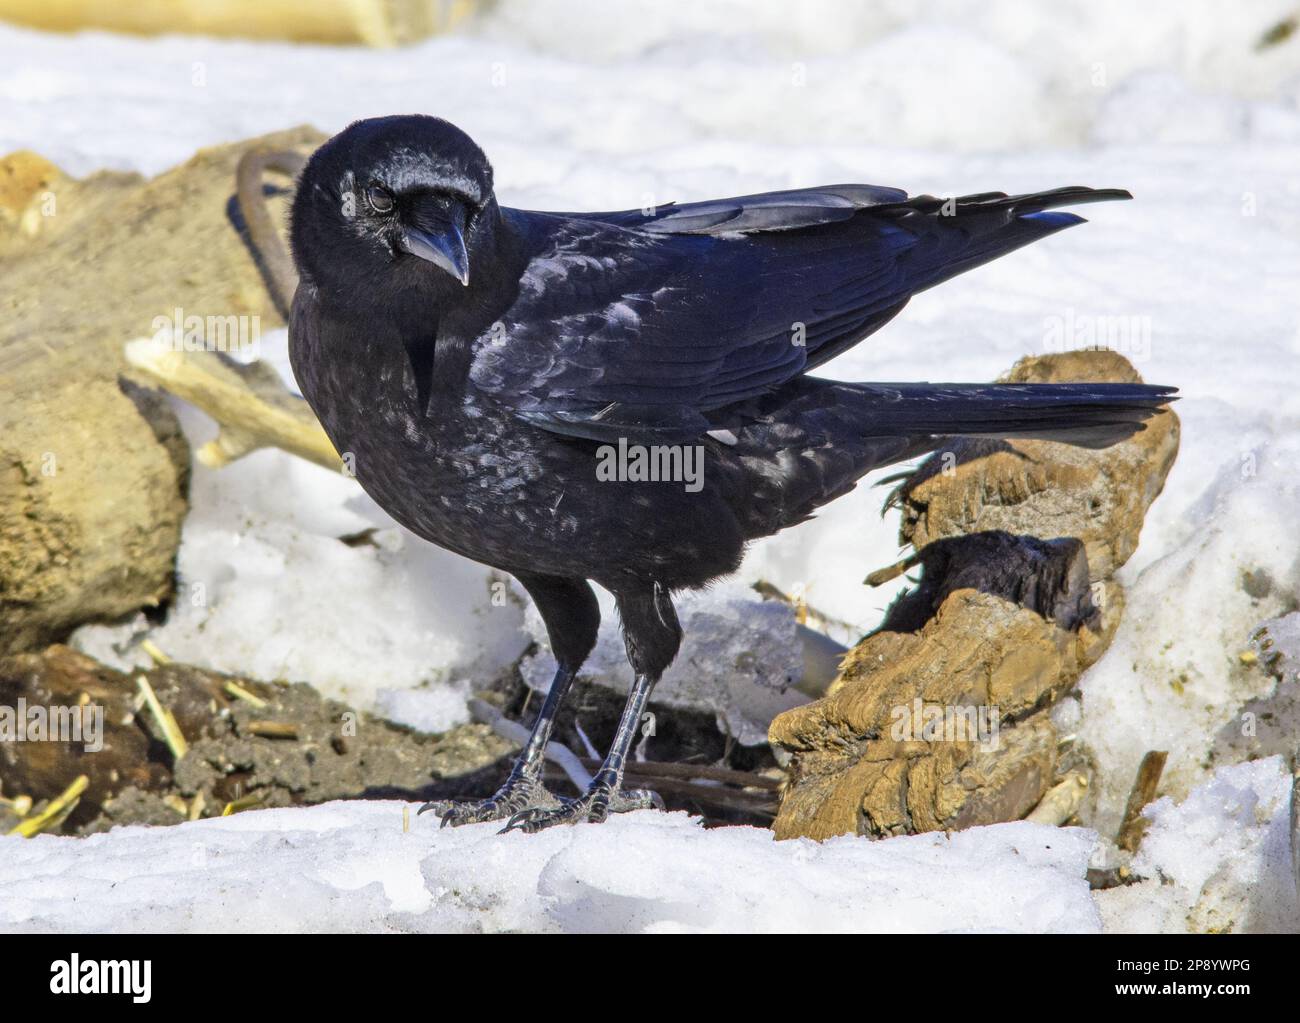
(605, 794)
(523, 789)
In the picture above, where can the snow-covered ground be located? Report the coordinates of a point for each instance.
(605, 105)
(365, 866)
(350, 866)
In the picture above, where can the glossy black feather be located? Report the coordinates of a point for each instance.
(477, 415)
(478, 406)
(649, 323)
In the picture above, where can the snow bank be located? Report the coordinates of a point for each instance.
(1219, 861)
(351, 867)
(621, 79)
(1174, 677)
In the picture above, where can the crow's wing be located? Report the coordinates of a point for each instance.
(654, 322)
(764, 211)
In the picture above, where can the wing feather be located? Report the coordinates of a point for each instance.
(656, 321)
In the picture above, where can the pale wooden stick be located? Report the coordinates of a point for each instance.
(250, 402)
(171, 731)
(1061, 802)
(1144, 790)
(54, 814)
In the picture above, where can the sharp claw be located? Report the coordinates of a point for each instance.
(593, 806)
(521, 818)
(522, 794)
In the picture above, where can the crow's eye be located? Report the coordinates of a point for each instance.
(381, 200)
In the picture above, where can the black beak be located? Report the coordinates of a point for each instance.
(439, 236)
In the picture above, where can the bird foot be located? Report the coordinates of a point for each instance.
(518, 795)
(593, 806)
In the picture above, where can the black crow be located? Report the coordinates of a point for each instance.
(622, 398)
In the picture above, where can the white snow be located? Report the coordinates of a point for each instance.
(1219, 861)
(1174, 676)
(351, 866)
(1278, 640)
(611, 106)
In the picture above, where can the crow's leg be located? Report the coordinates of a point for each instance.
(572, 617)
(652, 635)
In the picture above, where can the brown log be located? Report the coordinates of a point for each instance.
(372, 22)
(93, 468)
(1017, 541)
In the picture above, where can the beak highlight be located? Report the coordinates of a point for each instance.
(444, 248)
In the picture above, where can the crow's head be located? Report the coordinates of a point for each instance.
(391, 203)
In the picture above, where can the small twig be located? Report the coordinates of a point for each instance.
(1061, 802)
(244, 803)
(1144, 790)
(240, 693)
(273, 729)
(890, 572)
(805, 613)
(54, 814)
(700, 772)
(166, 721)
(268, 249)
(155, 654)
(178, 804)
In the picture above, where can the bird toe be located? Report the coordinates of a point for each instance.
(517, 796)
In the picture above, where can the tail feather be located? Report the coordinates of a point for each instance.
(989, 224)
(1084, 414)
(823, 435)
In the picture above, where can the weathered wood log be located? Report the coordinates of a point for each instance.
(941, 718)
(373, 22)
(93, 468)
